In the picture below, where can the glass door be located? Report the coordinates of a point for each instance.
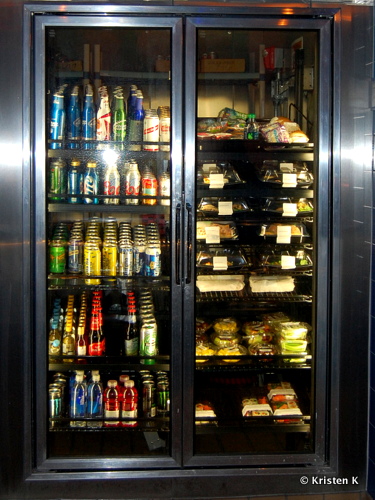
(260, 309)
(107, 193)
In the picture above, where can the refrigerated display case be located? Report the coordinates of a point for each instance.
(203, 316)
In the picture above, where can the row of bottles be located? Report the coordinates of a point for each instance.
(77, 184)
(84, 398)
(79, 330)
(112, 119)
(110, 250)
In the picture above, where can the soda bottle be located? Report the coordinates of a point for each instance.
(136, 124)
(132, 183)
(119, 120)
(131, 328)
(149, 186)
(89, 119)
(103, 118)
(58, 117)
(129, 404)
(78, 402)
(111, 404)
(111, 184)
(252, 128)
(91, 183)
(81, 347)
(96, 338)
(95, 401)
(74, 119)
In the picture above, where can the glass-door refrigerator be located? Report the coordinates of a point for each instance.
(108, 235)
(258, 354)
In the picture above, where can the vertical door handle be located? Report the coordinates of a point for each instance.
(178, 244)
(189, 210)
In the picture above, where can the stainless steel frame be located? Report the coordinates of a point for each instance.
(345, 180)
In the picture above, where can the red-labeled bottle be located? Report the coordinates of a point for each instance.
(111, 405)
(129, 405)
(96, 338)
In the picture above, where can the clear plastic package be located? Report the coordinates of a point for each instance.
(233, 258)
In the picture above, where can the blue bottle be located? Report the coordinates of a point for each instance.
(58, 116)
(78, 402)
(74, 119)
(95, 401)
(91, 184)
(89, 118)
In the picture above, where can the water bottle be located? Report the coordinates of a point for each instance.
(95, 401)
(78, 402)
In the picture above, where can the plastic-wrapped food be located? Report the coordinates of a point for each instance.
(221, 283)
(208, 170)
(286, 259)
(282, 394)
(211, 125)
(273, 230)
(225, 339)
(233, 350)
(257, 332)
(226, 325)
(272, 284)
(201, 326)
(292, 330)
(263, 349)
(288, 206)
(275, 317)
(227, 230)
(285, 173)
(233, 258)
(213, 205)
(252, 407)
(275, 133)
(286, 408)
(282, 384)
(293, 346)
(204, 409)
(205, 349)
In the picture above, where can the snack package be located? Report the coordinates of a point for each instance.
(275, 133)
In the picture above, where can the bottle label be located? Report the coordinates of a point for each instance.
(81, 350)
(97, 348)
(131, 347)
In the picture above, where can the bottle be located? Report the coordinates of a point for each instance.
(58, 117)
(151, 130)
(96, 338)
(148, 339)
(132, 183)
(57, 180)
(131, 328)
(89, 119)
(75, 252)
(69, 341)
(136, 124)
(91, 183)
(78, 402)
(112, 184)
(119, 120)
(95, 401)
(74, 119)
(111, 404)
(81, 346)
(103, 118)
(252, 128)
(149, 186)
(54, 338)
(165, 186)
(129, 404)
(75, 182)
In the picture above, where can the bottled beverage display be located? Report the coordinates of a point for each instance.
(111, 184)
(131, 328)
(95, 409)
(58, 118)
(111, 404)
(75, 182)
(74, 119)
(91, 183)
(104, 117)
(89, 119)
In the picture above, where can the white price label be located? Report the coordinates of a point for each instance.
(225, 207)
(216, 181)
(290, 209)
(289, 180)
(284, 234)
(213, 234)
(288, 262)
(220, 263)
(286, 167)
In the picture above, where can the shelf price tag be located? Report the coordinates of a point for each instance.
(290, 209)
(284, 234)
(220, 263)
(216, 181)
(213, 234)
(225, 207)
(289, 180)
(288, 262)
